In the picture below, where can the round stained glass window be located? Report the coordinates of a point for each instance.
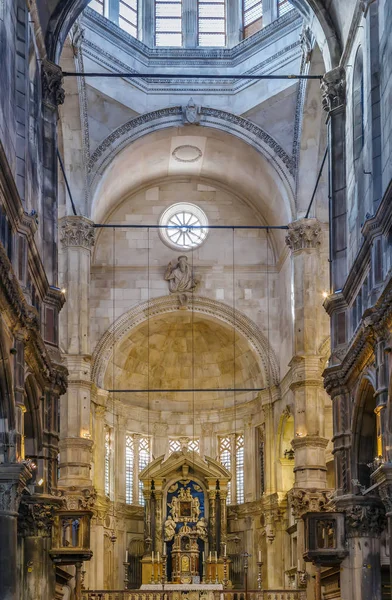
(185, 226)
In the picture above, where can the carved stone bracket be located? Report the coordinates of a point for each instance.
(78, 499)
(13, 480)
(36, 515)
(365, 520)
(307, 500)
(333, 89)
(383, 477)
(304, 233)
(52, 79)
(77, 231)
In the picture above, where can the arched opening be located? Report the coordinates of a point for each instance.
(366, 434)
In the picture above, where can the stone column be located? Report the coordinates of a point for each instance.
(212, 518)
(223, 514)
(383, 477)
(333, 88)
(148, 541)
(189, 24)
(342, 433)
(234, 20)
(77, 238)
(147, 33)
(158, 516)
(381, 395)
(360, 573)
(250, 460)
(36, 516)
(310, 329)
(160, 441)
(52, 97)
(13, 479)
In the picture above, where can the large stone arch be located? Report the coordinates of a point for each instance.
(168, 304)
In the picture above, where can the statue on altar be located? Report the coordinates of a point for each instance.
(202, 530)
(169, 529)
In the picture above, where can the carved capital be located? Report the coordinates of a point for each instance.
(77, 231)
(303, 234)
(365, 520)
(333, 89)
(13, 480)
(36, 515)
(52, 79)
(160, 429)
(78, 499)
(307, 500)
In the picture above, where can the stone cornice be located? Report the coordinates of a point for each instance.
(14, 478)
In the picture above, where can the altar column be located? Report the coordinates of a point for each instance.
(158, 516)
(212, 515)
(147, 519)
(223, 515)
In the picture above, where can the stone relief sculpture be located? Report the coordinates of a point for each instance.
(181, 280)
(191, 113)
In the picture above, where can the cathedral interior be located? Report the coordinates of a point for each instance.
(195, 299)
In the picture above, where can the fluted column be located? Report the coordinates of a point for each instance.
(77, 239)
(13, 479)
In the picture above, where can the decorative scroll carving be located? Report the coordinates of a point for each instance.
(304, 233)
(52, 79)
(365, 520)
(333, 88)
(307, 500)
(77, 231)
(78, 499)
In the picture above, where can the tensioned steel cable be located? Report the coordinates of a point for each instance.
(129, 75)
(234, 491)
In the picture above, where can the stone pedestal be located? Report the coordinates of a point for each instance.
(360, 574)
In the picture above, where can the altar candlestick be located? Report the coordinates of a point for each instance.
(152, 557)
(259, 555)
(202, 556)
(209, 558)
(157, 556)
(216, 556)
(224, 549)
(126, 556)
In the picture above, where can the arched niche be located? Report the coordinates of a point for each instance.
(286, 452)
(364, 431)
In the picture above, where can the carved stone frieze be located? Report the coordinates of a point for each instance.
(77, 231)
(333, 89)
(307, 500)
(303, 234)
(52, 79)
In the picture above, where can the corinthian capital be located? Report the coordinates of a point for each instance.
(52, 80)
(333, 88)
(304, 233)
(307, 500)
(77, 231)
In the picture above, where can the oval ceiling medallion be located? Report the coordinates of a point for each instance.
(187, 153)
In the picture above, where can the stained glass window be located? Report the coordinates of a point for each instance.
(129, 468)
(144, 459)
(239, 468)
(211, 23)
(225, 459)
(168, 23)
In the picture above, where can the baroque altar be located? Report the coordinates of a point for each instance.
(185, 521)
